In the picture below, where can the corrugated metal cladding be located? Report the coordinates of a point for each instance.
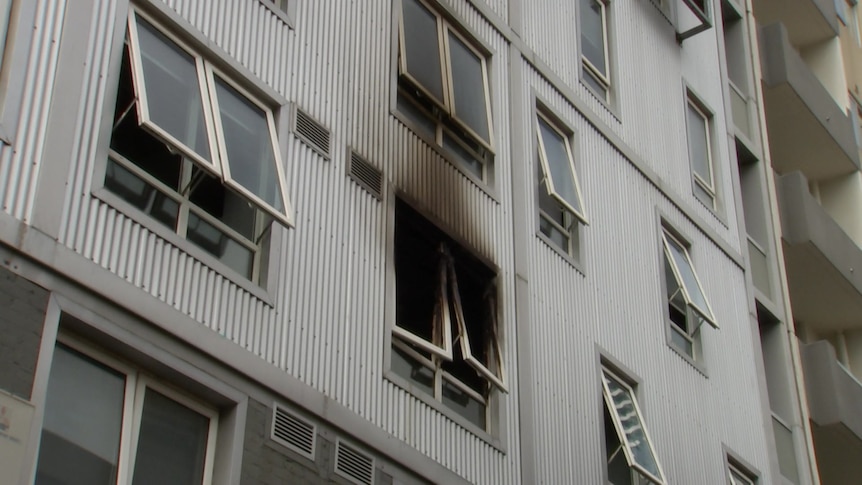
(327, 324)
(618, 305)
(19, 163)
(648, 70)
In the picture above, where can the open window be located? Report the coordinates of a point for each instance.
(630, 455)
(688, 307)
(195, 151)
(446, 336)
(594, 46)
(561, 205)
(443, 87)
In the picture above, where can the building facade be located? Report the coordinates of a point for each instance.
(401, 241)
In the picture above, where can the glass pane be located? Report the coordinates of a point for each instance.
(424, 124)
(698, 146)
(83, 419)
(593, 82)
(5, 8)
(683, 264)
(217, 243)
(467, 159)
(461, 402)
(136, 144)
(679, 339)
(423, 47)
(173, 93)
(703, 195)
(248, 141)
(559, 238)
(468, 83)
(140, 194)
(172, 443)
(409, 368)
(211, 195)
(560, 165)
(593, 34)
(632, 428)
(739, 479)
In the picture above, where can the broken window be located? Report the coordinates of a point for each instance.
(630, 456)
(194, 152)
(688, 308)
(445, 337)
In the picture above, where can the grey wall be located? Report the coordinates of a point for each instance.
(22, 313)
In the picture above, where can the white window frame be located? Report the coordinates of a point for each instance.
(705, 313)
(570, 163)
(589, 69)
(135, 386)
(444, 28)
(707, 186)
(206, 73)
(615, 417)
(736, 476)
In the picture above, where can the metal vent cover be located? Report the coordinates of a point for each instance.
(353, 465)
(293, 432)
(311, 132)
(365, 175)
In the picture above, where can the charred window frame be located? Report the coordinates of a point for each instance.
(443, 87)
(560, 201)
(445, 337)
(629, 452)
(687, 306)
(195, 152)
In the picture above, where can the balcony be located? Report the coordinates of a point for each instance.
(807, 21)
(808, 131)
(834, 400)
(824, 266)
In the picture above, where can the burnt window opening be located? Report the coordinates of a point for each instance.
(445, 338)
(195, 151)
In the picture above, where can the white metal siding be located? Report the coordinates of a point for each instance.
(20, 163)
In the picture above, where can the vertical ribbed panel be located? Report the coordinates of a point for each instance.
(618, 305)
(19, 164)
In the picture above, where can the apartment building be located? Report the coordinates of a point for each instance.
(399, 241)
(811, 75)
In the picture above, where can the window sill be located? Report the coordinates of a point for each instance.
(484, 186)
(438, 406)
(568, 258)
(172, 238)
(716, 213)
(697, 365)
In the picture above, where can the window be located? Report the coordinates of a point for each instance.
(107, 423)
(194, 151)
(443, 87)
(560, 201)
(700, 152)
(5, 17)
(738, 477)
(686, 302)
(445, 340)
(594, 46)
(630, 455)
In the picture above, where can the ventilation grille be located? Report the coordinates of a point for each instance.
(366, 175)
(293, 432)
(311, 132)
(353, 465)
